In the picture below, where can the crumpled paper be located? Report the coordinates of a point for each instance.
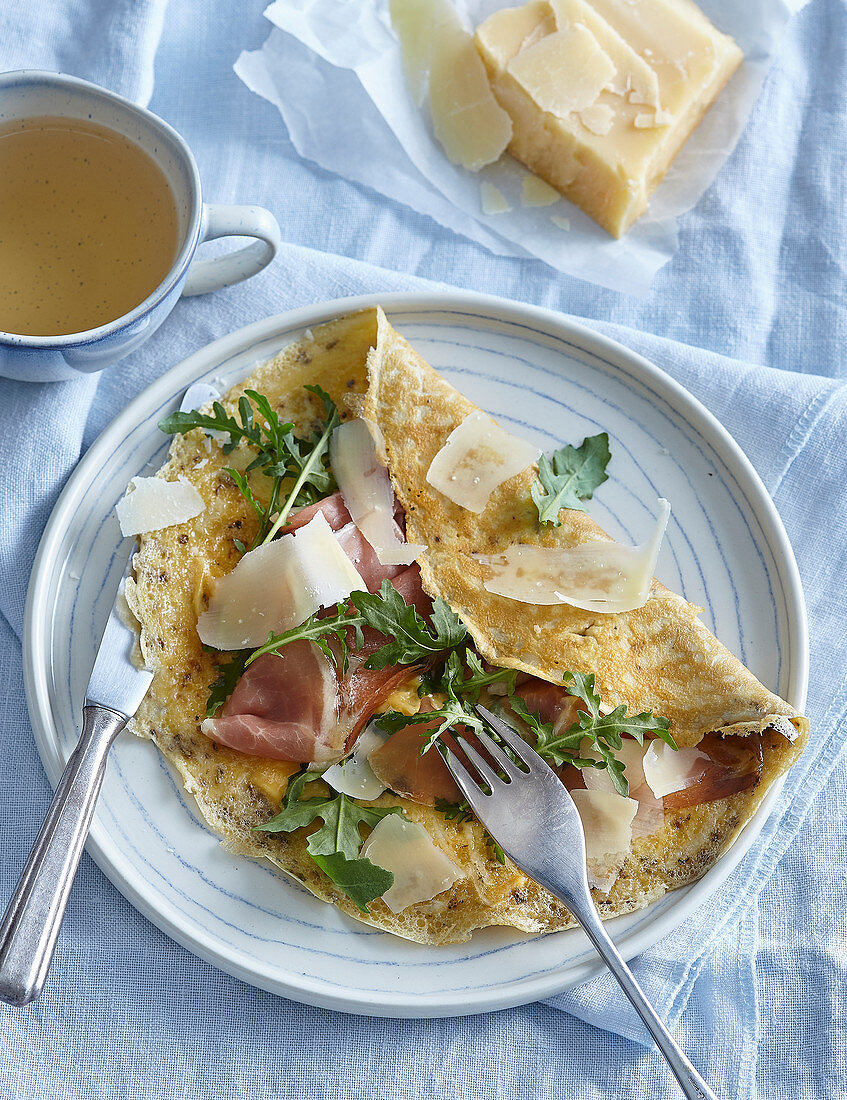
(333, 69)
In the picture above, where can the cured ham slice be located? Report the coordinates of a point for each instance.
(284, 707)
(364, 558)
(291, 705)
(400, 766)
(550, 701)
(734, 764)
(334, 512)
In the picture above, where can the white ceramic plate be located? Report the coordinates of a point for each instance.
(545, 378)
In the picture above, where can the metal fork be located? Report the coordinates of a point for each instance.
(533, 818)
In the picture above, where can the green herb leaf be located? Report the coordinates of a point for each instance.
(604, 732)
(454, 712)
(283, 457)
(335, 846)
(471, 686)
(230, 672)
(307, 462)
(461, 691)
(569, 477)
(412, 639)
(319, 629)
(361, 880)
(179, 423)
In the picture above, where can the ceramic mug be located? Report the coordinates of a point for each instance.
(29, 93)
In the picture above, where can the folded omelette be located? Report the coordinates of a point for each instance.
(658, 658)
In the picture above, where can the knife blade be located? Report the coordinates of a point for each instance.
(115, 690)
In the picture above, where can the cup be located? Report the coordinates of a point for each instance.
(30, 93)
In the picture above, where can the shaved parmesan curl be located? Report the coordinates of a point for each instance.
(278, 586)
(367, 492)
(599, 576)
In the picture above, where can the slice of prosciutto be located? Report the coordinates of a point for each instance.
(284, 707)
(734, 764)
(334, 512)
(293, 705)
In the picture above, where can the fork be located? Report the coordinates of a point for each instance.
(533, 818)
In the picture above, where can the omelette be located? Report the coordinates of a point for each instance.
(657, 660)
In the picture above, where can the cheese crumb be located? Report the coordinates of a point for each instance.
(493, 200)
(537, 192)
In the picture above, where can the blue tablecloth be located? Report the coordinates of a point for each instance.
(750, 315)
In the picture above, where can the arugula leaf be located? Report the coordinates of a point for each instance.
(230, 672)
(454, 712)
(308, 463)
(470, 686)
(280, 454)
(603, 731)
(461, 692)
(319, 628)
(361, 880)
(412, 639)
(246, 430)
(335, 846)
(570, 476)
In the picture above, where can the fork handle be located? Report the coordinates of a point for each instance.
(30, 927)
(693, 1085)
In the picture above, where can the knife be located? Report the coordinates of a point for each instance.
(31, 924)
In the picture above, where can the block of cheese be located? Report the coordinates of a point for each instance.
(467, 120)
(603, 93)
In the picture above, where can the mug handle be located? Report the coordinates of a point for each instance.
(233, 221)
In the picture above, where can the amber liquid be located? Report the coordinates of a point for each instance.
(88, 226)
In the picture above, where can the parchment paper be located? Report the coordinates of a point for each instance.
(334, 71)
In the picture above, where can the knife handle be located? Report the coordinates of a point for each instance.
(31, 925)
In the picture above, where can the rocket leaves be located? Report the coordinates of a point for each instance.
(336, 844)
(570, 476)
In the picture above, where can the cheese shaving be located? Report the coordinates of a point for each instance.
(366, 489)
(151, 504)
(667, 770)
(478, 456)
(278, 586)
(492, 199)
(607, 823)
(563, 72)
(467, 120)
(420, 869)
(597, 576)
(354, 776)
(537, 192)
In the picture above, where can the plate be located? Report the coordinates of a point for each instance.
(544, 377)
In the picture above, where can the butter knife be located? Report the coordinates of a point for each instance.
(31, 924)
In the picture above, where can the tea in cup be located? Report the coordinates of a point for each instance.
(100, 216)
